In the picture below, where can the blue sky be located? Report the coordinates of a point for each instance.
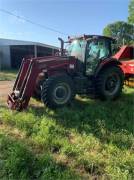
(72, 17)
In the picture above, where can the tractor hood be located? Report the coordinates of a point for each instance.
(49, 63)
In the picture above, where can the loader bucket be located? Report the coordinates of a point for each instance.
(11, 102)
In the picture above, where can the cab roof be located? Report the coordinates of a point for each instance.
(90, 36)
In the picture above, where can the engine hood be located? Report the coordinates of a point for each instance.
(54, 62)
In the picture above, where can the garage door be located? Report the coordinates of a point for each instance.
(20, 52)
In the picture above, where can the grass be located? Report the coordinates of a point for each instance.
(7, 75)
(89, 139)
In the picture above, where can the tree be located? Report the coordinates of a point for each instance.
(131, 12)
(120, 30)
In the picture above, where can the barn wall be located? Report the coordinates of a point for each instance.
(5, 57)
(19, 52)
(12, 52)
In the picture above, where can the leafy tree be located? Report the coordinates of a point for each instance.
(120, 30)
(131, 12)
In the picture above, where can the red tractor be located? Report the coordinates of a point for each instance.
(85, 66)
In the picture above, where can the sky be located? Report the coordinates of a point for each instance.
(71, 17)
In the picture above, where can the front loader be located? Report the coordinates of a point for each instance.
(86, 66)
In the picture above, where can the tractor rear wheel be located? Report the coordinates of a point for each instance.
(109, 83)
(57, 91)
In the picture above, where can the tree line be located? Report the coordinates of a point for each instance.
(122, 31)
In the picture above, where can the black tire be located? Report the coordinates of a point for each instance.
(109, 83)
(37, 91)
(57, 91)
(37, 94)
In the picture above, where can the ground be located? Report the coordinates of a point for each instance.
(90, 139)
(5, 88)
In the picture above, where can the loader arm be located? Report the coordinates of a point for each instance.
(24, 85)
(26, 80)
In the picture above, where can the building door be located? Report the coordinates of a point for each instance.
(19, 52)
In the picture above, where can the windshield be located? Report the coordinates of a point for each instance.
(76, 48)
(98, 49)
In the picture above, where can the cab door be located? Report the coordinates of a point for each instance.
(96, 51)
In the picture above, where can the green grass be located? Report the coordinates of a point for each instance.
(88, 139)
(8, 75)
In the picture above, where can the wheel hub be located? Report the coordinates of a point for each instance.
(112, 83)
(61, 93)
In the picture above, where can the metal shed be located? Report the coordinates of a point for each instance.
(12, 51)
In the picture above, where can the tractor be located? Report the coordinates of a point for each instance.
(85, 65)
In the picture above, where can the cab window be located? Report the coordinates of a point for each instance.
(96, 50)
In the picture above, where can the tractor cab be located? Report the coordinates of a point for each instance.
(89, 50)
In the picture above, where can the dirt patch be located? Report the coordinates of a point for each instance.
(5, 88)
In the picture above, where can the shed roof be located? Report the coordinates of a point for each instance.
(10, 42)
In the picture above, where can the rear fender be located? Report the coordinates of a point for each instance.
(106, 64)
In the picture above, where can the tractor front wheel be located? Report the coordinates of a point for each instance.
(109, 83)
(57, 91)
